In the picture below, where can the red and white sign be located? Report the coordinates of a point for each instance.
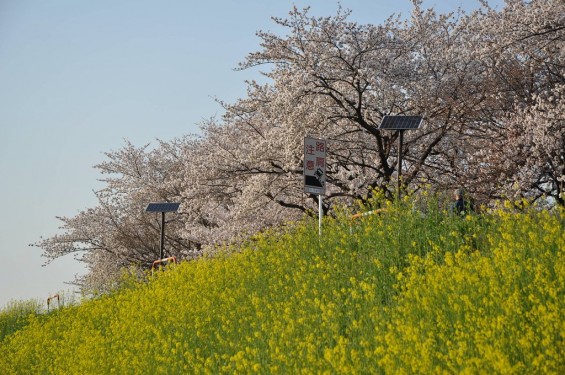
(314, 166)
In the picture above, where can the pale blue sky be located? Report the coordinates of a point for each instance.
(79, 77)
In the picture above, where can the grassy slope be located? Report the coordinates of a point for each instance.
(397, 292)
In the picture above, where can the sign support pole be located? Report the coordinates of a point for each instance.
(320, 214)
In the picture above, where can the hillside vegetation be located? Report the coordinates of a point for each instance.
(411, 289)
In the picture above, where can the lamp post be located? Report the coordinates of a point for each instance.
(401, 124)
(162, 208)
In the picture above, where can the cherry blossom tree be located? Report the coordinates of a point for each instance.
(118, 233)
(490, 85)
(339, 79)
(518, 149)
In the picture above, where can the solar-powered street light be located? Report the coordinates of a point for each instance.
(400, 123)
(162, 208)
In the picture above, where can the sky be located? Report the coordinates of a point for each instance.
(78, 78)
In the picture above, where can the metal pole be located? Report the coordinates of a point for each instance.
(162, 244)
(399, 172)
(320, 214)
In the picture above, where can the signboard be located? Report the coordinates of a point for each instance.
(314, 166)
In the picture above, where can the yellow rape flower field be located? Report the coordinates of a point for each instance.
(409, 290)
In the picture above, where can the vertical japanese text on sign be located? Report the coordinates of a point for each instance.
(314, 166)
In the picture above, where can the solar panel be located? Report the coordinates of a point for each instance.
(162, 207)
(401, 122)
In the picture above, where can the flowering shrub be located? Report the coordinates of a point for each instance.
(497, 310)
(408, 290)
(16, 314)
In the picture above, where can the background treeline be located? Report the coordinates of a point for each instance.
(489, 84)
